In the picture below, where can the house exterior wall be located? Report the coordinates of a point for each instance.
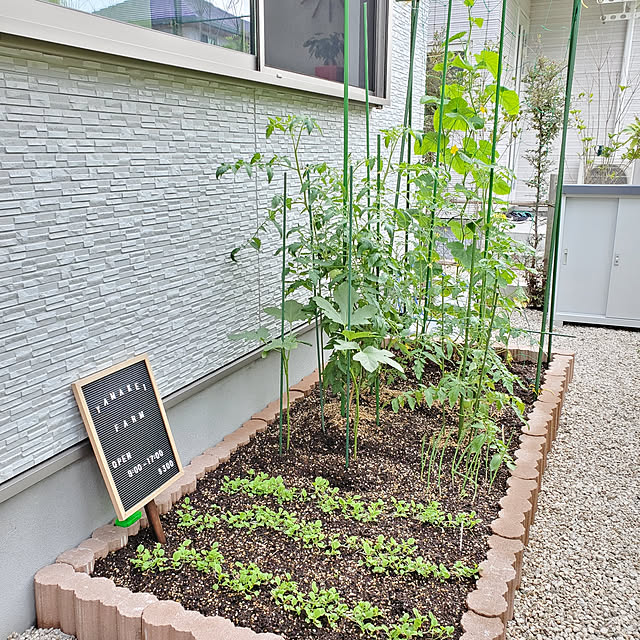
(598, 64)
(114, 240)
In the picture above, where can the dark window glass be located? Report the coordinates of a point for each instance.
(225, 23)
(307, 37)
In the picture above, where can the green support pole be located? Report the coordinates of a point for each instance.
(552, 266)
(348, 444)
(378, 239)
(345, 105)
(318, 326)
(494, 145)
(366, 106)
(409, 96)
(443, 84)
(494, 141)
(284, 267)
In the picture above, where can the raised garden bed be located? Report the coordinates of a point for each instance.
(274, 524)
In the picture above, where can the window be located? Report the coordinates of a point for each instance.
(307, 37)
(297, 44)
(225, 23)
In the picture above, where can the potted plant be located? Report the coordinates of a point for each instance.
(330, 49)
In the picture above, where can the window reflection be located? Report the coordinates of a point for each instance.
(224, 23)
(307, 36)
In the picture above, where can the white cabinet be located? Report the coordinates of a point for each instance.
(599, 259)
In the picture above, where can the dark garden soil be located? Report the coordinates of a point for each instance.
(388, 465)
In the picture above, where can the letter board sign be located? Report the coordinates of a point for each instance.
(129, 432)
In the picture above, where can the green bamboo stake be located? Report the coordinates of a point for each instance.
(345, 105)
(494, 135)
(349, 309)
(318, 328)
(408, 98)
(378, 214)
(494, 145)
(553, 253)
(366, 104)
(443, 84)
(553, 257)
(284, 266)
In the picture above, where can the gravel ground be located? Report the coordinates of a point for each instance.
(581, 572)
(40, 634)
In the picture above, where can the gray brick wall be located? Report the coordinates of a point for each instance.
(115, 234)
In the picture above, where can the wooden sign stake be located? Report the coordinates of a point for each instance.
(153, 516)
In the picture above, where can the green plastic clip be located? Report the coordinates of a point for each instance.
(134, 517)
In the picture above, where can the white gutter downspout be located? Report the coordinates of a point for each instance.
(626, 61)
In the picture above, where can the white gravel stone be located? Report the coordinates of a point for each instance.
(40, 634)
(581, 571)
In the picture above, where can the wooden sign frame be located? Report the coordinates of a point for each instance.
(96, 444)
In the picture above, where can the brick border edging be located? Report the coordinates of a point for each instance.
(491, 603)
(68, 598)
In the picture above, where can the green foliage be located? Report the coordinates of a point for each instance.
(153, 560)
(259, 484)
(246, 579)
(398, 290)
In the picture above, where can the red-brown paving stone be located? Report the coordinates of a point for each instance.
(538, 422)
(501, 566)
(66, 600)
(507, 545)
(237, 439)
(246, 430)
(133, 529)
(552, 400)
(203, 464)
(526, 471)
(269, 413)
(221, 450)
(129, 615)
(46, 586)
(560, 368)
(164, 502)
(109, 612)
(115, 537)
(569, 358)
(185, 623)
(307, 384)
(519, 505)
(79, 559)
(184, 486)
(531, 485)
(529, 457)
(255, 426)
(213, 628)
(537, 444)
(89, 608)
(509, 525)
(480, 628)
(556, 385)
(531, 443)
(489, 598)
(157, 620)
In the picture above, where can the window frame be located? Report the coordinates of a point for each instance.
(41, 20)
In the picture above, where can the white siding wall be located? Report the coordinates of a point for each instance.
(114, 233)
